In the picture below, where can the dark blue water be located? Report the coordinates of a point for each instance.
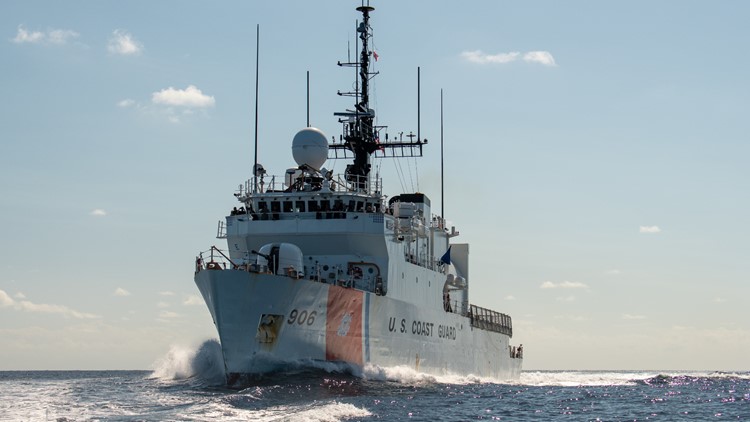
(188, 388)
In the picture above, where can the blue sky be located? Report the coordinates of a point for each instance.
(595, 161)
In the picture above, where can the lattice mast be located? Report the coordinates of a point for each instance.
(361, 137)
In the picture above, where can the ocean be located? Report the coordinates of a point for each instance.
(186, 385)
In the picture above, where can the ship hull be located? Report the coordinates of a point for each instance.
(265, 321)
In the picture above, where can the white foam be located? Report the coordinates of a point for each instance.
(314, 412)
(203, 362)
(407, 375)
(603, 378)
(579, 378)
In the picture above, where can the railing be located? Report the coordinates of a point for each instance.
(216, 259)
(338, 183)
(490, 320)
(483, 318)
(213, 259)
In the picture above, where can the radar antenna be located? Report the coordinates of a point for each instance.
(361, 137)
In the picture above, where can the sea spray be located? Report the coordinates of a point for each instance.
(203, 363)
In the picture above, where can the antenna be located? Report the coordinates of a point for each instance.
(360, 138)
(442, 178)
(257, 60)
(308, 98)
(418, 108)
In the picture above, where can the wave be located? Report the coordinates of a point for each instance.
(329, 411)
(203, 364)
(682, 378)
(605, 378)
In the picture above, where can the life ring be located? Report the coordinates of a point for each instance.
(213, 266)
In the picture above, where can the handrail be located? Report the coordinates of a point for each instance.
(214, 263)
(338, 183)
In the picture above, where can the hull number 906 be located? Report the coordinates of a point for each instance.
(302, 317)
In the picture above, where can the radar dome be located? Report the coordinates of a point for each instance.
(310, 147)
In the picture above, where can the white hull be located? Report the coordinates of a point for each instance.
(326, 267)
(264, 320)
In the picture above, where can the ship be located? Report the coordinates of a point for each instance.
(322, 267)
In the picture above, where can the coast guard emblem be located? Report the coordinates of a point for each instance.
(344, 326)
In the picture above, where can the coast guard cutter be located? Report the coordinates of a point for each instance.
(325, 267)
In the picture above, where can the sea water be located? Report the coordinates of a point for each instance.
(187, 385)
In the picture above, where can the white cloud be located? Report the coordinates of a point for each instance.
(633, 317)
(23, 36)
(166, 293)
(193, 300)
(5, 299)
(563, 285)
(121, 292)
(168, 314)
(52, 36)
(569, 298)
(25, 305)
(650, 229)
(510, 297)
(188, 97)
(477, 56)
(162, 304)
(20, 295)
(541, 57)
(61, 36)
(614, 272)
(719, 300)
(126, 103)
(98, 212)
(124, 44)
(572, 317)
(480, 57)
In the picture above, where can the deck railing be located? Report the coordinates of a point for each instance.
(338, 184)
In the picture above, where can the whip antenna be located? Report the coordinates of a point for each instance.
(257, 59)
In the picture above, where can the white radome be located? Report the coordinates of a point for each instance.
(310, 147)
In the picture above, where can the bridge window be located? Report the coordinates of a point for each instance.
(300, 206)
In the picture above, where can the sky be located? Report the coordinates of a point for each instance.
(595, 160)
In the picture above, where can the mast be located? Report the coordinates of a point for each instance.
(308, 98)
(257, 61)
(442, 174)
(360, 135)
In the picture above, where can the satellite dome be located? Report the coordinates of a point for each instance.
(310, 147)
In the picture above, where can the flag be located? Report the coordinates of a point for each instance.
(375, 54)
(446, 258)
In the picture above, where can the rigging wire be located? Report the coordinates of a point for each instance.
(411, 179)
(400, 173)
(416, 173)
